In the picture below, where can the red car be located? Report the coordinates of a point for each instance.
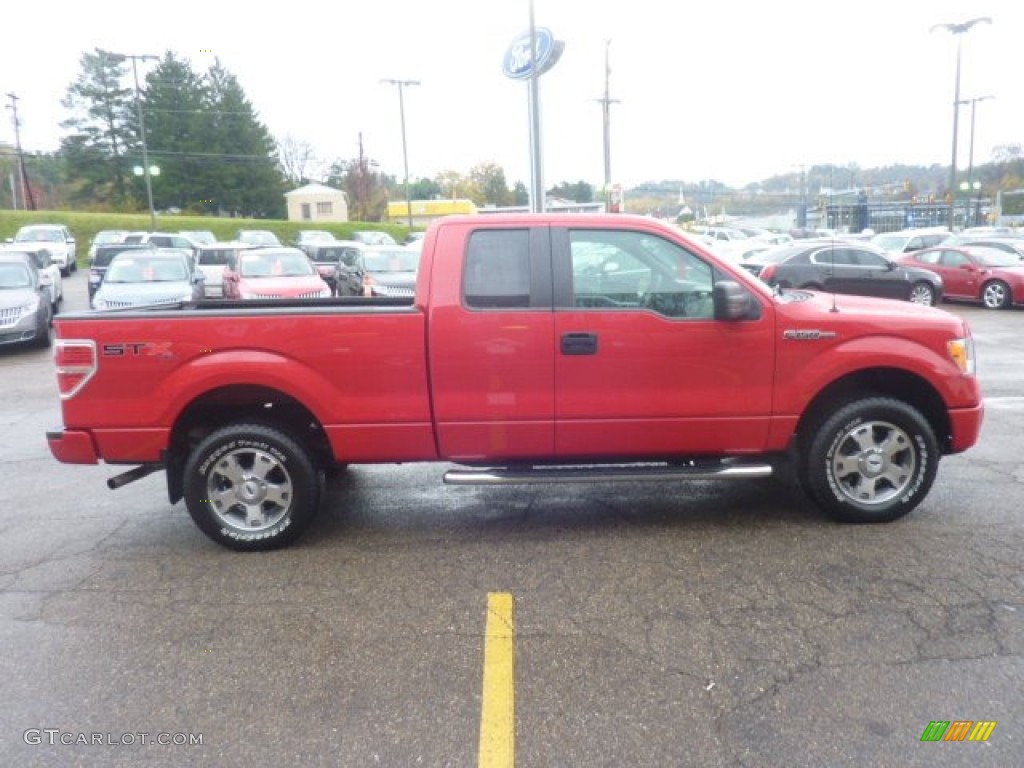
(273, 273)
(974, 272)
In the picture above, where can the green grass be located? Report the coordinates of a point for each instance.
(86, 225)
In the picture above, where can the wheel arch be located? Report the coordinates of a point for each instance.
(236, 403)
(890, 382)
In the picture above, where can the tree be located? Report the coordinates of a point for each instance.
(103, 130)
(299, 162)
(175, 108)
(248, 180)
(520, 194)
(366, 187)
(580, 192)
(490, 186)
(425, 189)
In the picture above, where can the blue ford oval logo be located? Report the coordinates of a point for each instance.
(516, 62)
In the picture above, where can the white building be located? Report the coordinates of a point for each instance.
(317, 202)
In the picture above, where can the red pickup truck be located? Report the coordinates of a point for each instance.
(537, 348)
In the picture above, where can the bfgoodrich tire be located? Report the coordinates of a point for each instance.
(251, 487)
(870, 461)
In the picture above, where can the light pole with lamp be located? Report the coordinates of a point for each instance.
(146, 170)
(958, 30)
(970, 162)
(405, 155)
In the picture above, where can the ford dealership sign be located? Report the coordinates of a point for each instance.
(516, 63)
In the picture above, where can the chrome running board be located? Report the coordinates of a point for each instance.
(604, 473)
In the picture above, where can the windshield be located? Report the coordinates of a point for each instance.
(276, 265)
(38, 236)
(392, 261)
(146, 271)
(14, 276)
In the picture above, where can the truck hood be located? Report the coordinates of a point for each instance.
(816, 309)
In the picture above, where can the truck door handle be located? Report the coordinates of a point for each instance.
(579, 343)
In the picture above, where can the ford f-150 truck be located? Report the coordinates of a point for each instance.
(537, 348)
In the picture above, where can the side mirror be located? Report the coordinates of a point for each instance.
(731, 300)
(890, 266)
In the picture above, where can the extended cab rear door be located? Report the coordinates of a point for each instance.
(642, 368)
(491, 341)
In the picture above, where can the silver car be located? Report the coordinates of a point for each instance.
(146, 278)
(25, 313)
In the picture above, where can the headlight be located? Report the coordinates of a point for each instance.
(325, 292)
(99, 304)
(247, 295)
(962, 353)
(31, 308)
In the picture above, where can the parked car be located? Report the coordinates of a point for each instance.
(1010, 245)
(340, 264)
(199, 236)
(56, 238)
(147, 277)
(974, 273)
(105, 254)
(49, 273)
(909, 240)
(163, 240)
(257, 237)
(25, 311)
(390, 271)
(273, 273)
(105, 237)
(312, 237)
(838, 266)
(373, 237)
(213, 259)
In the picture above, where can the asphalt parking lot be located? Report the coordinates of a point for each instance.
(692, 624)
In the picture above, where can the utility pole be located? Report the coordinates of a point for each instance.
(606, 102)
(405, 154)
(146, 171)
(27, 201)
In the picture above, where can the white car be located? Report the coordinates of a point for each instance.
(105, 237)
(55, 238)
(211, 261)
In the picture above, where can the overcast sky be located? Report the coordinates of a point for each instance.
(734, 90)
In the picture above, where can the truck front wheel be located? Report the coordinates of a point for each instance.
(870, 461)
(251, 487)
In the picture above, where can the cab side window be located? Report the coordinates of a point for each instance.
(614, 270)
(497, 271)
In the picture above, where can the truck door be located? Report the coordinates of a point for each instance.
(642, 368)
(491, 343)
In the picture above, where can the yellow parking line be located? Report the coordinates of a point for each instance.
(498, 709)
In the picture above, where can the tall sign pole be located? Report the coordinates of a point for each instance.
(528, 57)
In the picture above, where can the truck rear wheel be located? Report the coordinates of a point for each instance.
(251, 487)
(870, 461)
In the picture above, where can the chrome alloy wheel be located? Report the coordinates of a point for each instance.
(923, 294)
(249, 489)
(874, 462)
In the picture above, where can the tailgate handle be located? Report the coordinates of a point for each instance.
(579, 343)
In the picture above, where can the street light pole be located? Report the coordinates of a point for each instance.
(958, 30)
(405, 154)
(970, 162)
(606, 103)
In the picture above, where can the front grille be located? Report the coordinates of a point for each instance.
(310, 295)
(387, 290)
(10, 316)
(122, 303)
